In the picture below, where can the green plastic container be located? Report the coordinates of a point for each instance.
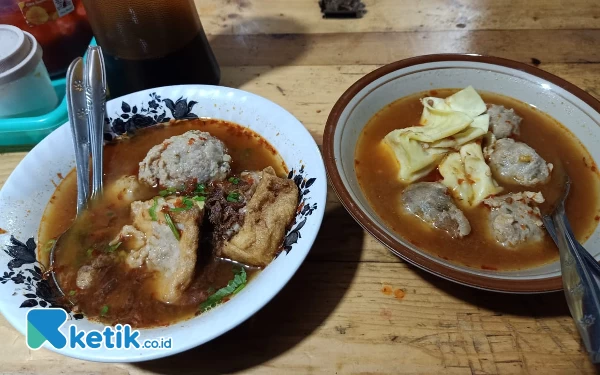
(25, 132)
(28, 131)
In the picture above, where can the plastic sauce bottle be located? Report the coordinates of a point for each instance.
(59, 26)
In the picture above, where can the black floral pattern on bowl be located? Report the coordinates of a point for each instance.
(305, 208)
(154, 111)
(27, 275)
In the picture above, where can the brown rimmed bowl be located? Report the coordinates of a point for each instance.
(570, 105)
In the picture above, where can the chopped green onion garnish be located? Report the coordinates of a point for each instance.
(201, 188)
(169, 191)
(89, 252)
(233, 286)
(72, 293)
(234, 180)
(152, 210)
(171, 225)
(234, 196)
(187, 204)
(199, 199)
(114, 247)
(104, 310)
(240, 287)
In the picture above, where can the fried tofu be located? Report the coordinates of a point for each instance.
(269, 212)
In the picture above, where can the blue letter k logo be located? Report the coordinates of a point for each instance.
(43, 325)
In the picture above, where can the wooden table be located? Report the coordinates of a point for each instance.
(334, 317)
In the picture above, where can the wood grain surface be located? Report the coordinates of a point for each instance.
(353, 307)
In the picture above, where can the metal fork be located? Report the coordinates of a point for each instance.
(580, 276)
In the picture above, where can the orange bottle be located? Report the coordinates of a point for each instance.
(60, 26)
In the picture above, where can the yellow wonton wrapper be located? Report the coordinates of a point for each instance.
(468, 176)
(455, 178)
(479, 173)
(478, 128)
(467, 101)
(415, 160)
(446, 124)
(439, 124)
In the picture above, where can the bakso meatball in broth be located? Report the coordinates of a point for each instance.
(515, 218)
(180, 227)
(194, 155)
(431, 202)
(515, 162)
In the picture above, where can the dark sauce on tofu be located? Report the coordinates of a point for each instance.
(121, 294)
(377, 170)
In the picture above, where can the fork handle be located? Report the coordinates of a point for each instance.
(581, 286)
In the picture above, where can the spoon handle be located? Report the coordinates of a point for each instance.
(581, 286)
(76, 102)
(589, 259)
(95, 93)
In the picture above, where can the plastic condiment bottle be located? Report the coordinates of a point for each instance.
(25, 87)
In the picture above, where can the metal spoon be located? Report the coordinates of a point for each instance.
(76, 106)
(580, 276)
(79, 130)
(95, 95)
(549, 224)
(86, 98)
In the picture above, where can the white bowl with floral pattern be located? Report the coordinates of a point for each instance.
(25, 195)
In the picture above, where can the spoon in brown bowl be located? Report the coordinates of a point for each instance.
(86, 98)
(580, 276)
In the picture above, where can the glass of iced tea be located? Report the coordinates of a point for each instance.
(151, 43)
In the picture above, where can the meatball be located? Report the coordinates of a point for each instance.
(516, 162)
(194, 155)
(504, 122)
(514, 218)
(431, 202)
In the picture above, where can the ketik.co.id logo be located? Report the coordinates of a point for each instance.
(43, 325)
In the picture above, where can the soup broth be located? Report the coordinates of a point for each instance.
(377, 171)
(129, 299)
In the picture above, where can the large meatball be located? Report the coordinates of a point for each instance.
(515, 218)
(431, 202)
(194, 155)
(516, 162)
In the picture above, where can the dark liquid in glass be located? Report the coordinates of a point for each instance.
(151, 43)
(179, 67)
